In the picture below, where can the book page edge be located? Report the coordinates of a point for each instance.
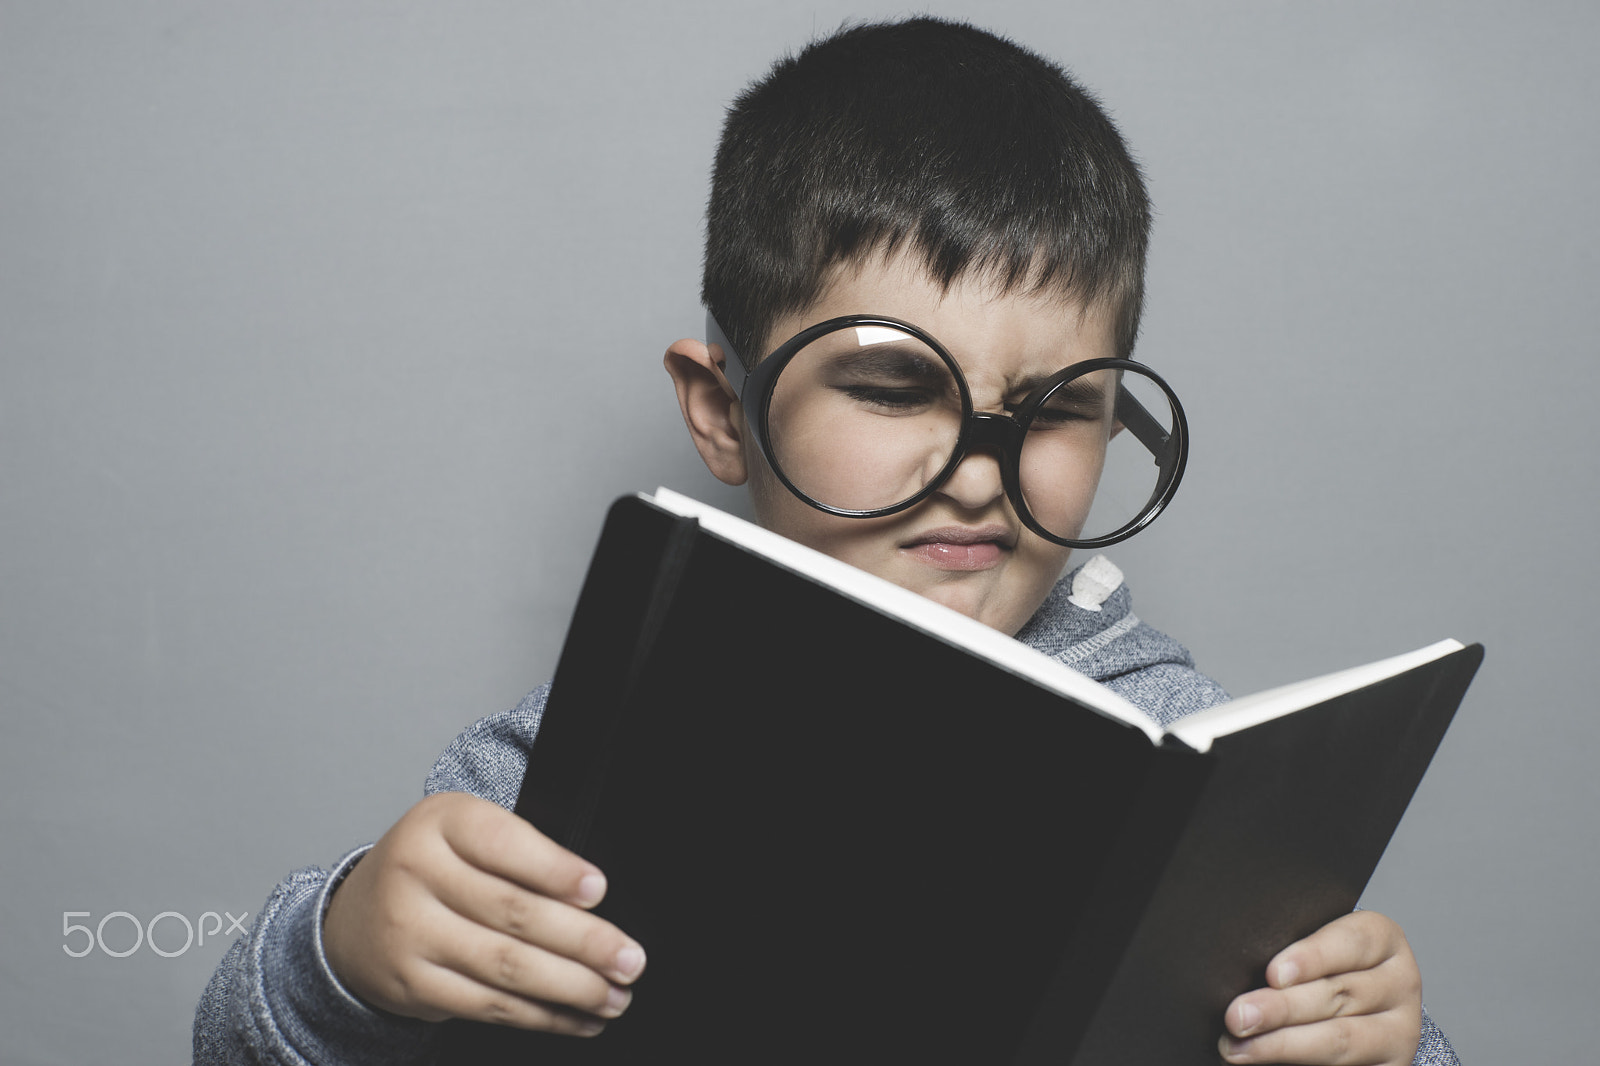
(1200, 730)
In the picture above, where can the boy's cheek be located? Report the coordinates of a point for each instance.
(763, 488)
(852, 540)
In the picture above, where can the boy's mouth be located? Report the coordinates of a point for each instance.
(961, 547)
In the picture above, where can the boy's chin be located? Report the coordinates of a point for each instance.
(984, 601)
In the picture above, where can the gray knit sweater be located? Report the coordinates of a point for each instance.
(274, 999)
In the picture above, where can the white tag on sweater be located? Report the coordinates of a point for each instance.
(1094, 583)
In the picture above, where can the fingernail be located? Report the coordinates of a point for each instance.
(592, 888)
(1288, 974)
(1234, 1050)
(628, 962)
(590, 1026)
(617, 1001)
(1249, 1018)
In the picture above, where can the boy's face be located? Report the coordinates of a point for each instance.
(964, 545)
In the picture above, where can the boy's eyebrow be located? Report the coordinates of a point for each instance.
(889, 357)
(1078, 390)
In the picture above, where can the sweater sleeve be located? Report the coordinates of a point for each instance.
(275, 1000)
(1434, 1050)
(489, 758)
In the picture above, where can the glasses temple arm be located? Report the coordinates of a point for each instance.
(1159, 441)
(733, 366)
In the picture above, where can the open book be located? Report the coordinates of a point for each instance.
(851, 825)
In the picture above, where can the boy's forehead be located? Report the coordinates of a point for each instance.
(984, 323)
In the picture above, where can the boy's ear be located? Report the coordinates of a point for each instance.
(710, 408)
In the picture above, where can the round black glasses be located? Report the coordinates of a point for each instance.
(865, 416)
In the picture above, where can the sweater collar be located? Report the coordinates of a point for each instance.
(1087, 601)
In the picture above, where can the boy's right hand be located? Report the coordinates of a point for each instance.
(464, 910)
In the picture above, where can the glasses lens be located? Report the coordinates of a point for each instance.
(1098, 454)
(864, 417)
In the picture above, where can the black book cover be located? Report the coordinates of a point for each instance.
(841, 839)
(1283, 839)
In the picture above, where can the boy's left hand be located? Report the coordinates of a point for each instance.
(1348, 993)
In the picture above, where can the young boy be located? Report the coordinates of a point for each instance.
(923, 172)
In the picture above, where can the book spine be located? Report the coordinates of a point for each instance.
(619, 616)
(626, 597)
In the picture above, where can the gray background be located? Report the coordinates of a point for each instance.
(328, 330)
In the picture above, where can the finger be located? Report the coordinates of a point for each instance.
(460, 996)
(491, 838)
(502, 964)
(494, 903)
(1338, 996)
(1364, 1040)
(1357, 941)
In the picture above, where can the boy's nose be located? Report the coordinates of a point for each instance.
(975, 484)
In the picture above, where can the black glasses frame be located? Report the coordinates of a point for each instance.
(1001, 433)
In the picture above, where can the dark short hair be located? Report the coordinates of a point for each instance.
(929, 137)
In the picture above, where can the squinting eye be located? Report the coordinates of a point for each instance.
(1048, 416)
(1056, 414)
(899, 399)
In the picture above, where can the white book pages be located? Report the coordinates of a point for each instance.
(1199, 730)
(935, 619)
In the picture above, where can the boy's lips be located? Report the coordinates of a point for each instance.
(961, 547)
